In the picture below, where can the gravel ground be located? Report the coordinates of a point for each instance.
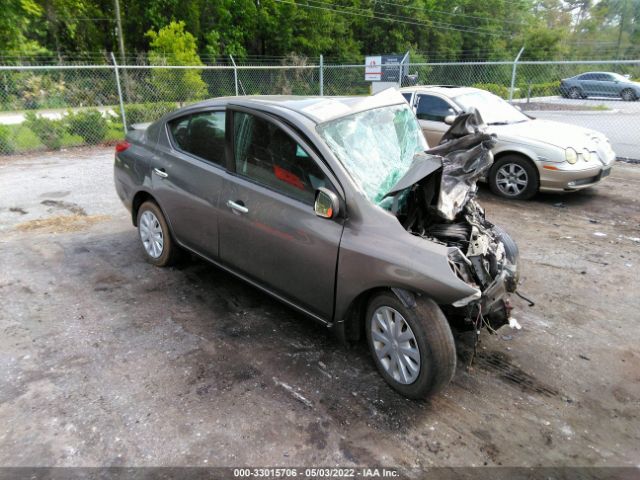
(106, 360)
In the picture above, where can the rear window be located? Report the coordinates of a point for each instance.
(200, 134)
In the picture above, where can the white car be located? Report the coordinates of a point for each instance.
(531, 155)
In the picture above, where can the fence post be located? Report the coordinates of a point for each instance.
(513, 74)
(124, 117)
(235, 73)
(321, 76)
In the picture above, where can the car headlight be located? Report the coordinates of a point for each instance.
(571, 155)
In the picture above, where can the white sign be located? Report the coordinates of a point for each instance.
(373, 69)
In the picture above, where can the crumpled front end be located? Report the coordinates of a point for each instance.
(435, 200)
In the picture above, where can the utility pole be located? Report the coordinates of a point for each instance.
(116, 5)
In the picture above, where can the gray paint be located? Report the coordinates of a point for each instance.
(317, 265)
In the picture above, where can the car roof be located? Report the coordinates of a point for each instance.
(445, 90)
(317, 109)
(607, 73)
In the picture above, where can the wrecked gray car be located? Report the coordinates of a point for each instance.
(336, 207)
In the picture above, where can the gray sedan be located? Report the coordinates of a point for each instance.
(600, 84)
(332, 206)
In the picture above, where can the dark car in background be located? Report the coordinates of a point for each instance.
(332, 206)
(600, 84)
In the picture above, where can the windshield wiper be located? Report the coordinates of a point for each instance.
(498, 123)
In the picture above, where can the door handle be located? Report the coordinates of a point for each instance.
(160, 172)
(236, 207)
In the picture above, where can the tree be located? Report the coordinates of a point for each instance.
(172, 45)
(16, 23)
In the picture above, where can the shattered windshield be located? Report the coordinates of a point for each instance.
(376, 146)
(494, 110)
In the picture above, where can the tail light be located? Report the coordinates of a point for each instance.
(122, 145)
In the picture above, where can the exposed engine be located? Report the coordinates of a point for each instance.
(436, 200)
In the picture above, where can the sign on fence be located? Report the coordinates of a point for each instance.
(382, 68)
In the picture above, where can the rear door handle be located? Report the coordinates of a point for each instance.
(160, 172)
(236, 207)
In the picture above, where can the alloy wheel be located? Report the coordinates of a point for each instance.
(627, 95)
(151, 234)
(511, 179)
(574, 93)
(395, 345)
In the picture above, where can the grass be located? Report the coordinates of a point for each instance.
(25, 140)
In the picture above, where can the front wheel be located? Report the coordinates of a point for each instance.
(412, 347)
(628, 95)
(513, 177)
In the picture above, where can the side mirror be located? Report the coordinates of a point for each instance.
(327, 204)
(449, 119)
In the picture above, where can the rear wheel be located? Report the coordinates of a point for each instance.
(412, 347)
(628, 95)
(155, 237)
(513, 177)
(574, 93)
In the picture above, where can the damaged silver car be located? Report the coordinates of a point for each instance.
(336, 207)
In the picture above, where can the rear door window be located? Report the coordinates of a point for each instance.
(266, 154)
(200, 134)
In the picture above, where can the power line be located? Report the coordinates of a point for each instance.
(460, 28)
(391, 17)
(467, 15)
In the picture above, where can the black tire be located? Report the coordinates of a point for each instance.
(628, 95)
(529, 168)
(512, 252)
(169, 252)
(575, 93)
(433, 339)
(510, 247)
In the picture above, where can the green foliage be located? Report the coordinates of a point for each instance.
(147, 112)
(88, 124)
(172, 45)
(7, 145)
(546, 89)
(40, 91)
(499, 90)
(48, 131)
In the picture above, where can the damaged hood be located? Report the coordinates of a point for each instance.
(462, 158)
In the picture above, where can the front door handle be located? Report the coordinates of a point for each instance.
(160, 172)
(236, 207)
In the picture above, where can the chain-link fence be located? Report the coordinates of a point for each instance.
(52, 107)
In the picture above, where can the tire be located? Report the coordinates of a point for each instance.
(628, 95)
(510, 247)
(575, 93)
(164, 251)
(512, 253)
(506, 175)
(431, 337)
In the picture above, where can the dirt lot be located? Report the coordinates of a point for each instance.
(106, 360)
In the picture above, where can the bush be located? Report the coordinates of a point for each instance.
(547, 89)
(89, 124)
(7, 146)
(496, 89)
(147, 112)
(48, 131)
